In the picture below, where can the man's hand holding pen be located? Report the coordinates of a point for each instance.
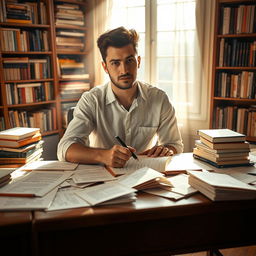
(118, 155)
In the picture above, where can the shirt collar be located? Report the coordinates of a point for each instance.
(110, 96)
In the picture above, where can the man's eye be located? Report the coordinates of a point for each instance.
(115, 63)
(130, 60)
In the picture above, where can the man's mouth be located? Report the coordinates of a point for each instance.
(124, 77)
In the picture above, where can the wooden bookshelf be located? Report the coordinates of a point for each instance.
(37, 45)
(233, 90)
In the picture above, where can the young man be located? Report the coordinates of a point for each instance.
(125, 107)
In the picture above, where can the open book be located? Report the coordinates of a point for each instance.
(218, 186)
(171, 165)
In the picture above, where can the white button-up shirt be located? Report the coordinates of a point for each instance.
(99, 114)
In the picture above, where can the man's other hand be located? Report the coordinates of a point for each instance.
(157, 151)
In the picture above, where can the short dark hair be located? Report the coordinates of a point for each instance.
(118, 38)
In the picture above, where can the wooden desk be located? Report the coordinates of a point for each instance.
(150, 226)
(15, 233)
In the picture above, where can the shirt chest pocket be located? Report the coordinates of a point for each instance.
(147, 133)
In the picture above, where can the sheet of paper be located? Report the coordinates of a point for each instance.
(91, 173)
(122, 199)
(138, 177)
(164, 193)
(49, 166)
(104, 192)
(181, 185)
(26, 203)
(35, 183)
(241, 173)
(185, 161)
(67, 199)
(156, 163)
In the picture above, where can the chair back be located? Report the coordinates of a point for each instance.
(70, 114)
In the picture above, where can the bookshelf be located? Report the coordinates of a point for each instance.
(233, 91)
(43, 62)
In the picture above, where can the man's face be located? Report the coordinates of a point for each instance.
(121, 65)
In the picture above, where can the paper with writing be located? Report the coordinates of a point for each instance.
(104, 192)
(91, 173)
(157, 163)
(27, 203)
(35, 183)
(49, 166)
(67, 199)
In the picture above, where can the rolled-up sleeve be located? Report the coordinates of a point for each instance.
(168, 131)
(79, 128)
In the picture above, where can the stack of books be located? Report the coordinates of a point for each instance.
(19, 146)
(69, 14)
(221, 187)
(222, 148)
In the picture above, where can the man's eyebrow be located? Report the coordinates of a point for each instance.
(114, 60)
(130, 56)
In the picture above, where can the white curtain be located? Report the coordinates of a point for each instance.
(101, 19)
(191, 93)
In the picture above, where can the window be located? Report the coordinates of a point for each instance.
(167, 41)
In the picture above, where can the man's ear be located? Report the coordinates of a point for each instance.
(139, 59)
(104, 65)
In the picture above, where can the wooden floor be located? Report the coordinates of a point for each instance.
(240, 251)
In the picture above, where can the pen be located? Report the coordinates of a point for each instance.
(124, 145)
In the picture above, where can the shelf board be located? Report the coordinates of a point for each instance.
(235, 1)
(237, 35)
(235, 68)
(70, 2)
(6, 24)
(68, 100)
(252, 139)
(31, 104)
(29, 81)
(27, 53)
(50, 133)
(235, 99)
(71, 53)
(74, 79)
(71, 27)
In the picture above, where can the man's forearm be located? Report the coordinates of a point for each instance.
(78, 153)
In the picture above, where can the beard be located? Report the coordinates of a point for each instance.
(119, 85)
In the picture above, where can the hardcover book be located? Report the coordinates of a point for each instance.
(221, 135)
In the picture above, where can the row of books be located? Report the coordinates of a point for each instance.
(44, 119)
(27, 12)
(238, 19)
(222, 147)
(23, 93)
(15, 39)
(242, 120)
(69, 43)
(237, 53)
(71, 67)
(19, 146)
(25, 68)
(73, 90)
(69, 14)
(239, 85)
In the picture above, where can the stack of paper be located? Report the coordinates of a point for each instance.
(218, 186)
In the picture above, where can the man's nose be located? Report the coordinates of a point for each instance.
(123, 68)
